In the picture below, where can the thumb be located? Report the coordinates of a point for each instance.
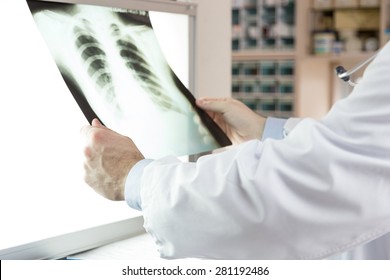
(217, 105)
(86, 129)
(97, 123)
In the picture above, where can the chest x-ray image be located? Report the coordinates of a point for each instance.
(112, 63)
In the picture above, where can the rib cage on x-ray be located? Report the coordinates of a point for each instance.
(95, 60)
(98, 66)
(135, 61)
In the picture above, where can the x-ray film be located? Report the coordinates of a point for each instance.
(112, 64)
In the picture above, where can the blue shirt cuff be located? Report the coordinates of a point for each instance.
(133, 184)
(274, 128)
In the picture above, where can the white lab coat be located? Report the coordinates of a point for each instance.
(322, 191)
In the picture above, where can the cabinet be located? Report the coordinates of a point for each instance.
(263, 24)
(347, 26)
(265, 84)
(318, 83)
(263, 64)
(310, 85)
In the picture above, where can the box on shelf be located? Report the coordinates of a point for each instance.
(243, 3)
(369, 3)
(268, 87)
(286, 68)
(322, 4)
(357, 19)
(266, 105)
(271, 2)
(285, 106)
(236, 86)
(250, 86)
(268, 68)
(286, 87)
(346, 3)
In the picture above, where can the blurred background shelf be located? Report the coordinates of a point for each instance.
(312, 37)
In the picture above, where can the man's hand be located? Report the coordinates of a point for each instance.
(238, 121)
(109, 157)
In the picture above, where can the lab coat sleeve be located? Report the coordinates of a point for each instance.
(322, 190)
(133, 185)
(274, 128)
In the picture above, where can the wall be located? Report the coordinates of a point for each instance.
(213, 50)
(319, 86)
(314, 81)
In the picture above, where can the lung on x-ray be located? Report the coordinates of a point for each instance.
(112, 64)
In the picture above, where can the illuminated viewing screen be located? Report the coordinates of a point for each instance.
(112, 63)
(113, 66)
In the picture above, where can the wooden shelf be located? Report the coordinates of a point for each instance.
(342, 56)
(261, 54)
